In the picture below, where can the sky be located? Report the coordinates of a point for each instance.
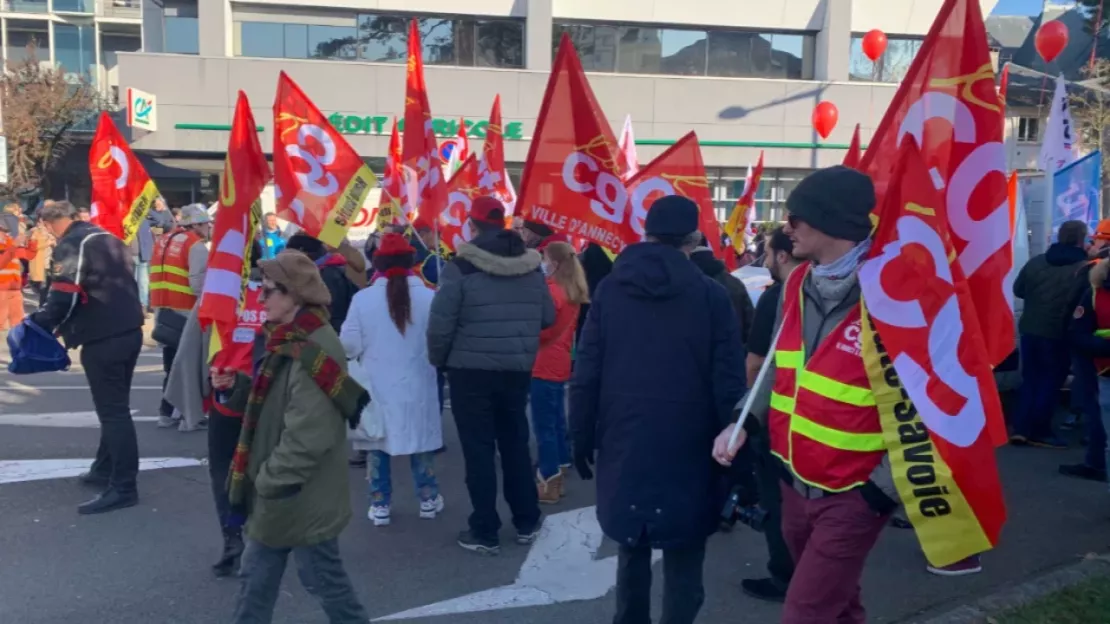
(1018, 7)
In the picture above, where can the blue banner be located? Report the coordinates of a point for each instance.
(1076, 193)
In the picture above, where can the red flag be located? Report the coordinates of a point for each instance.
(462, 189)
(246, 174)
(852, 158)
(949, 104)
(425, 189)
(1004, 83)
(677, 171)
(122, 192)
(389, 202)
(572, 178)
(320, 181)
(492, 176)
(740, 224)
(921, 305)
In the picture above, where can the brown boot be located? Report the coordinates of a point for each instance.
(549, 490)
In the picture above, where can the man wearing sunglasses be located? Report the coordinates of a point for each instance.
(837, 488)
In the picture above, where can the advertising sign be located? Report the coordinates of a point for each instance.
(1075, 192)
(142, 110)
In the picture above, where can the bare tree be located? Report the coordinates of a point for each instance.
(1090, 109)
(42, 106)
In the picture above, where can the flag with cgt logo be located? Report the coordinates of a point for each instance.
(122, 192)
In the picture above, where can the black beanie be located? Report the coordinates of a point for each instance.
(836, 201)
(672, 216)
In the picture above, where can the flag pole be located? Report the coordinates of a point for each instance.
(749, 398)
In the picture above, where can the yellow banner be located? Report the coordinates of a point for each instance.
(139, 209)
(347, 206)
(945, 525)
(733, 228)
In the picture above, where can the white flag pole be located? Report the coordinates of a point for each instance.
(750, 398)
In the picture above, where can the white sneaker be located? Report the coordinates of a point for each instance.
(379, 514)
(429, 509)
(166, 422)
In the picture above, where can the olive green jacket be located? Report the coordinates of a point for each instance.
(298, 460)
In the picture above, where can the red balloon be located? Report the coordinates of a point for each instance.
(1052, 38)
(825, 116)
(874, 44)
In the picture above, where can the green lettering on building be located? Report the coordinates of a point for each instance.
(378, 125)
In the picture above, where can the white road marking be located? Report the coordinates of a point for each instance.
(22, 387)
(78, 420)
(561, 567)
(16, 471)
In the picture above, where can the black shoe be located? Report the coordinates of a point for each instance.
(93, 480)
(479, 545)
(527, 538)
(111, 500)
(358, 460)
(1083, 471)
(228, 564)
(764, 589)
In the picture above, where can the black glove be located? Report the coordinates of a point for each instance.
(582, 462)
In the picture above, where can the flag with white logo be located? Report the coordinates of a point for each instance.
(1058, 147)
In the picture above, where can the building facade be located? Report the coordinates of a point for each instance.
(744, 75)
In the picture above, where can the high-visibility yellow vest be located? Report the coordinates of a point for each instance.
(169, 271)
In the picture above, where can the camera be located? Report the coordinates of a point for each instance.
(752, 515)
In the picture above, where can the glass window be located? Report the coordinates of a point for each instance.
(75, 49)
(639, 50)
(181, 35)
(788, 53)
(596, 45)
(296, 41)
(730, 53)
(73, 6)
(382, 38)
(261, 39)
(332, 42)
(26, 6)
(22, 34)
(1029, 130)
(110, 44)
(684, 52)
(437, 38)
(890, 67)
(500, 43)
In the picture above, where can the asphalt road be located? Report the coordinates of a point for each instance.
(150, 564)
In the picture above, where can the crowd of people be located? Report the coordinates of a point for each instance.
(634, 368)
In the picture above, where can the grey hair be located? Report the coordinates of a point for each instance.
(56, 211)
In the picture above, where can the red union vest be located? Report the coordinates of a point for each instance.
(1100, 300)
(169, 272)
(236, 343)
(823, 421)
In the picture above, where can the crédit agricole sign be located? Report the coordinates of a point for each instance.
(380, 124)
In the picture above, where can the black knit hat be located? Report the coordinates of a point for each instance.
(673, 216)
(836, 201)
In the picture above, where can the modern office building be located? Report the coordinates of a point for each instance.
(745, 75)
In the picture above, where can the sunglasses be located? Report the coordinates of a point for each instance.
(793, 220)
(268, 292)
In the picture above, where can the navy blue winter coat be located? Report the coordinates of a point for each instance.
(660, 365)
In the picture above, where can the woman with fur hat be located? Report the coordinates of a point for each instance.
(385, 334)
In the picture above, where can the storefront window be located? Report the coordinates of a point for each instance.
(890, 67)
(22, 34)
(596, 45)
(75, 49)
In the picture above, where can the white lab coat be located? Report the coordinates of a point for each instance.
(395, 370)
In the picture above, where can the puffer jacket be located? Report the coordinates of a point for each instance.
(553, 359)
(1050, 284)
(491, 305)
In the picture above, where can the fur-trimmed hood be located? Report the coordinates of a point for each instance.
(500, 253)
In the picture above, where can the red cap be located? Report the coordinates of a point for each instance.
(394, 245)
(421, 225)
(554, 238)
(489, 210)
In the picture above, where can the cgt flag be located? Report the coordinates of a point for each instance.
(492, 177)
(389, 202)
(425, 189)
(938, 403)
(122, 192)
(677, 171)
(320, 182)
(246, 174)
(462, 189)
(573, 176)
(948, 103)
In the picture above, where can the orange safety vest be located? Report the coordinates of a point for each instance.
(823, 420)
(1100, 301)
(169, 272)
(11, 274)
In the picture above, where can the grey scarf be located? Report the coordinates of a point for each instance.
(835, 280)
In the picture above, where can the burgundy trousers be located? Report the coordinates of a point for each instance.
(829, 539)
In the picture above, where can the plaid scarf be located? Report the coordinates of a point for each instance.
(286, 343)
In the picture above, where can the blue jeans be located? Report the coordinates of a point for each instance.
(549, 423)
(1085, 396)
(1044, 367)
(142, 278)
(381, 479)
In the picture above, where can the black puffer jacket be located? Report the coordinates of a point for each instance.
(1050, 284)
(491, 305)
(93, 294)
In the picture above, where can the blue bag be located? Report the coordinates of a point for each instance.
(34, 350)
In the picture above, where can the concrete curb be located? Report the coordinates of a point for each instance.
(980, 611)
